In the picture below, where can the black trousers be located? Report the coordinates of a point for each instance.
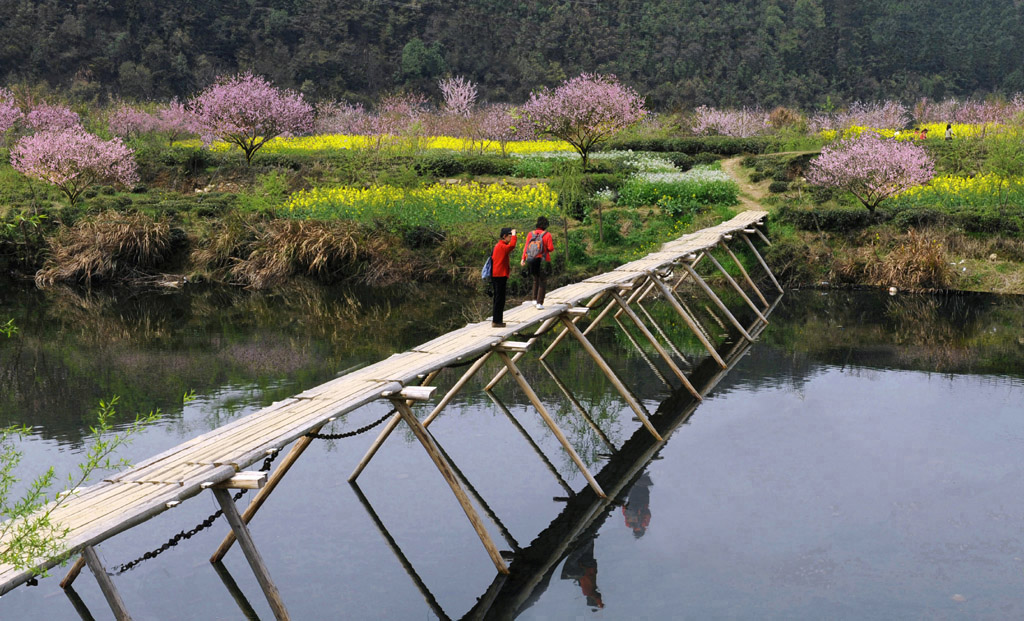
(500, 283)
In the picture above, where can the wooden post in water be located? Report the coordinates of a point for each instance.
(106, 584)
(388, 428)
(643, 355)
(657, 346)
(760, 260)
(259, 568)
(739, 290)
(503, 370)
(612, 377)
(503, 350)
(429, 444)
(743, 271)
(577, 405)
(690, 321)
(721, 305)
(76, 568)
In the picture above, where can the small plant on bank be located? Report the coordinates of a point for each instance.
(30, 533)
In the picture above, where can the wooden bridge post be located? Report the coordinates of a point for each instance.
(721, 305)
(227, 504)
(735, 285)
(690, 322)
(657, 346)
(639, 350)
(434, 452)
(531, 442)
(760, 259)
(743, 271)
(106, 584)
(503, 350)
(577, 405)
(612, 377)
(76, 568)
(503, 370)
(391, 424)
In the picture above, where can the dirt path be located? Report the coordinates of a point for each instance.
(750, 193)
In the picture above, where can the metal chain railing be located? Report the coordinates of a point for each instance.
(208, 522)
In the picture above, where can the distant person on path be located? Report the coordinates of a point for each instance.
(949, 131)
(499, 274)
(922, 134)
(537, 258)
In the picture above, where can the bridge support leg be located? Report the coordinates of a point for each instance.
(106, 584)
(643, 355)
(535, 400)
(612, 377)
(76, 568)
(690, 322)
(577, 405)
(735, 285)
(227, 504)
(743, 271)
(721, 305)
(657, 346)
(533, 445)
(261, 496)
(760, 260)
(503, 370)
(441, 463)
(391, 424)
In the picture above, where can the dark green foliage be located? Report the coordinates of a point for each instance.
(488, 165)
(593, 182)
(680, 54)
(439, 165)
(832, 219)
(778, 186)
(693, 145)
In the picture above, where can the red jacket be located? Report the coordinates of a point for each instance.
(499, 257)
(546, 243)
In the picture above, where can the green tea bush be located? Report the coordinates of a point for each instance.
(692, 145)
(832, 219)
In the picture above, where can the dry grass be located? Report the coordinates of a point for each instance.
(328, 251)
(112, 246)
(913, 261)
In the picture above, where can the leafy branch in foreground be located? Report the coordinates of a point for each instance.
(8, 329)
(30, 535)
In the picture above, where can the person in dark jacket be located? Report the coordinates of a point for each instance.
(500, 272)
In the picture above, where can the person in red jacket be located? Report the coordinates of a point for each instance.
(537, 251)
(499, 273)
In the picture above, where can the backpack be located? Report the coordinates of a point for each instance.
(485, 273)
(534, 245)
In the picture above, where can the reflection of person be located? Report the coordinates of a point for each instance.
(637, 510)
(537, 251)
(499, 274)
(581, 566)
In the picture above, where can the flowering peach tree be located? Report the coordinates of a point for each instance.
(584, 111)
(9, 111)
(73, 159)
(247, 110)
(871, 168)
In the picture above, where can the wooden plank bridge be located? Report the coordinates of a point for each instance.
(217, 460)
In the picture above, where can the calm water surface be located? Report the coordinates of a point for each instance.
(863, 459)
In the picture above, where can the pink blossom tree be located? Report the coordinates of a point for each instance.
(175, 121)
(126, 122)
(246, 110)
(742, 123)
(459, 96)
(584, 111)
(396, 115)
(340, 117)
(502, 123)
(47, 117)
(871, 168)
(73, 159)
(10, 113)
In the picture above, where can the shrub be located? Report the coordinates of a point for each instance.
(439, 165)
(699, 186)
(488, 165)
(833, 219)
(778, 186)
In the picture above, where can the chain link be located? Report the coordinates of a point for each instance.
(208, 522)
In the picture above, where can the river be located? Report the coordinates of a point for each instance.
(862, 459)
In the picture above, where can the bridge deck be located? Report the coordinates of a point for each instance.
(127, 498)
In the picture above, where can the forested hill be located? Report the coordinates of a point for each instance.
(678, 53)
